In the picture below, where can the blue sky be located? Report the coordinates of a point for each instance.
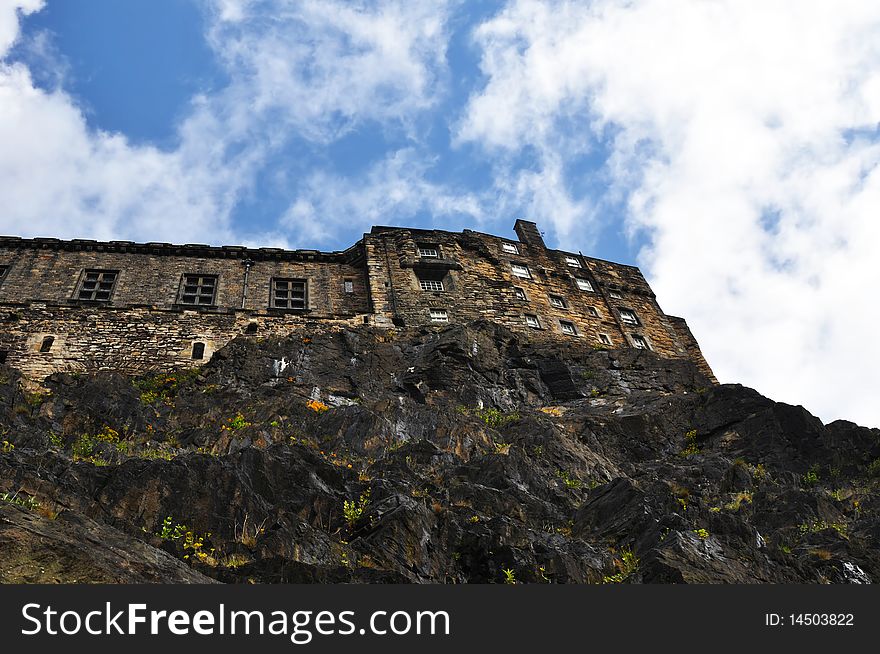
(729, 149)
(134, 67)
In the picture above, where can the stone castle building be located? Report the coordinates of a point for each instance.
(84, 305)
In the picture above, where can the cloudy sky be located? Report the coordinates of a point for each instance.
(729, 148)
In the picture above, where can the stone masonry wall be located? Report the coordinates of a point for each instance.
(144, 327)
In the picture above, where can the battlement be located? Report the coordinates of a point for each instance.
(92, 305)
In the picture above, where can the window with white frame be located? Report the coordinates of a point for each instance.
(593, 311)
(628, 316)
(348, 286)
(573, 262)
(439, 315)
(520, 270)
(510, 248)
(584, 284)
(604, 339)
(532, 321)
(430, 251)
(558, 301)
(519, 293)
(431, 284)
(615, 295)
(568, 328)
(640, 342)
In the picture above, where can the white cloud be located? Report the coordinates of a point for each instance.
(390, 192)
(745, 137)
(313, 70)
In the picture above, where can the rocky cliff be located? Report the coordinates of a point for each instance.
(457, 454)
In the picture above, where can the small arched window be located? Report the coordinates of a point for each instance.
(46, 345)
(198, 351)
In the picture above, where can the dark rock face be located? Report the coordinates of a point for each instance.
(429, 455)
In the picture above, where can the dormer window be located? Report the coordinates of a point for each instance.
(96, 285)
(520, 270)
(198, 290)
(629, 317)
(573, 262)
(584, 284)
(558, 301)
(429, 251)
(509, 248)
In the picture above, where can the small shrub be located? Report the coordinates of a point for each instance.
(496, 419)
(24, 501)
(690, 444)
(354, 510)
(55, 441)
(171, 531)
(235, 423)
(626, 564)
(509, 576)
(6, 447)
(811, 477)
(703, 534)
(821, 525)
(738, 501)
(570, 482)
(163, 387)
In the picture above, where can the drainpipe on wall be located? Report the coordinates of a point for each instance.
(247, 263)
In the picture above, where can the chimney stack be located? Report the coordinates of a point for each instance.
(528, 233)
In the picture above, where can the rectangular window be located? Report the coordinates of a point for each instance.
(3, 270)
(640, 342)
(568, 328)
(198, 290)
(430, 284)
(558, 302)
(429, 250)
(605, 339)
(573, 262)
(521, 271)
(510, 248)
(519, 293)
(439, 315)
(593, 311)
(348, 285)
(584, 284)
(615, 295)
(532, 321)
(97, 285)
(288, 293)
(628, 316)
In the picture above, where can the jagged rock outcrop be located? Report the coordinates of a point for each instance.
(447, 454)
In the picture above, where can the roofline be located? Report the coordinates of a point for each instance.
(170, 249)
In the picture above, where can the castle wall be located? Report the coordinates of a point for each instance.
(394, 276)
